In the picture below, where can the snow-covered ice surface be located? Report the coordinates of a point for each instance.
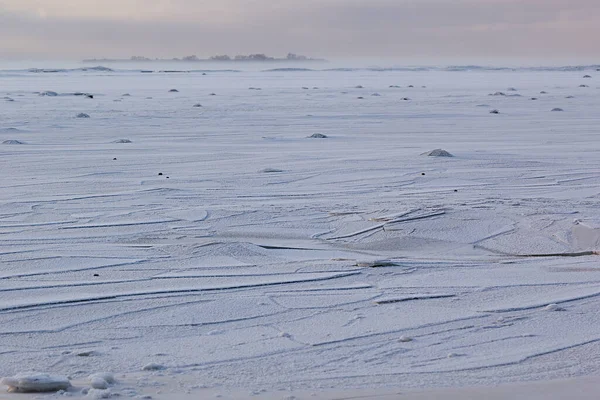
(178, 251)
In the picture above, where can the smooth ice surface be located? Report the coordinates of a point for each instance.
(223, 245)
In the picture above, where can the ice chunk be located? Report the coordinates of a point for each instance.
(35, 382)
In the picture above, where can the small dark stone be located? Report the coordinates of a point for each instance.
(534, 98)
(115, 159)
(167, 177)
(411, 86)
(160, 174)
(456, 190)
(422, 173)
(96, 274)
(494, 112)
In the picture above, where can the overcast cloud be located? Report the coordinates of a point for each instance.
(401, 29)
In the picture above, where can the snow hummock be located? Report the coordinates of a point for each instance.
(82, 115)
(318, 136)
(106, 376)
(12, 141)
(557, 109)
(98, 383)
(35, 382)
(153, 367)
(122, 141)
(437, 153)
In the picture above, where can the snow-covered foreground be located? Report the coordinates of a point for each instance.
(224, 245)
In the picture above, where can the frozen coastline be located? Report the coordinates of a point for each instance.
(225, 244)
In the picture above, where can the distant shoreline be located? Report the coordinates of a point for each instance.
(207, 60)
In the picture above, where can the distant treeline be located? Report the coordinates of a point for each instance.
(225, 58)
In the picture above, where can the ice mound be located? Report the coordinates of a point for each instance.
(153, 367)
(49, 93)
(376, 95)
(498, 94)
(318, 136)
(86, 95)
(105, 376)
(270, 170)
(511, 89)
(583, 86)
(122, 141)
(553, 307)
(82, 115)
(35, 382)
(375, 263)
(437, 153)
(359, 87)
(494, 112)
(98, 383)
(13, 142)
(173, 91)
(198, 105)
(557, 109)
(587, 76)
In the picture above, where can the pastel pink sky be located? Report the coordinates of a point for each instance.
(402, 29)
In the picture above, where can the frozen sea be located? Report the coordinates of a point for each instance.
(204, 231)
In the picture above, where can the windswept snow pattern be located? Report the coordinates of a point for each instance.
(221, 243)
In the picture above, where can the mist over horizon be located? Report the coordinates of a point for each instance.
(377, 32)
